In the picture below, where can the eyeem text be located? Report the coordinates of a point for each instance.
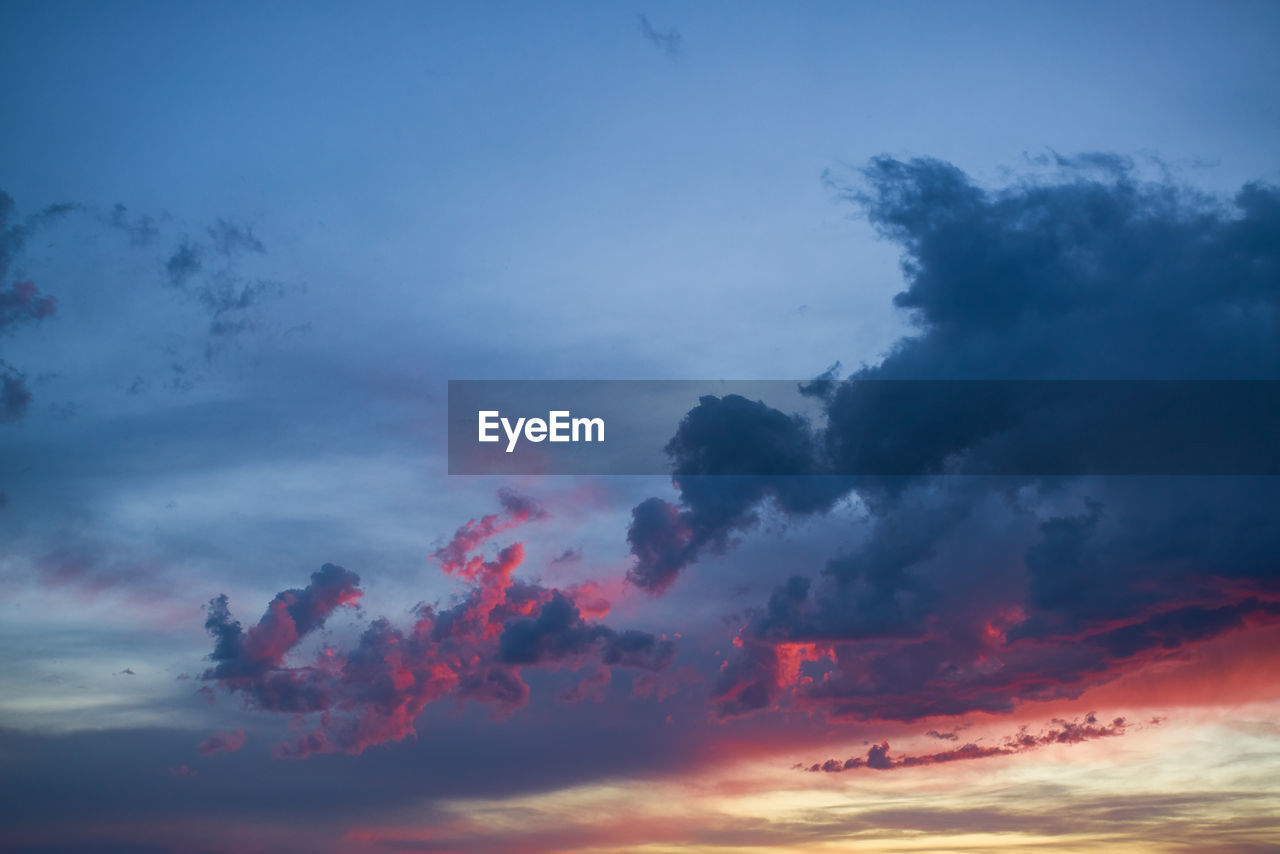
(558, 426)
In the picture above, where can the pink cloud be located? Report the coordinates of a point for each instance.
(222, 742)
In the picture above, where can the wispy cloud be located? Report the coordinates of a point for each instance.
(474, 650)
(1060, 731)
(669, 41)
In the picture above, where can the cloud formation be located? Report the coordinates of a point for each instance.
(966, 593)
(474, 649)
(1060, 731)
(222, 742)
(670, 42)
(21, 303)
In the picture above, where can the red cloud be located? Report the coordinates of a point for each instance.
(222, 742)
(473, 650)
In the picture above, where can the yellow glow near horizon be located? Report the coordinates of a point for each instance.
(1193, 781)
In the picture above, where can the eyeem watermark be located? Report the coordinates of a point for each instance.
(559, 426)
(856, 427)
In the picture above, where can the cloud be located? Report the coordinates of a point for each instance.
(1060, 731)
(661, 541)
(292, 614)
(959, 630)
(755, 454)
(569, 555)
(475, 649)
(21, 303)
(183, 263)
(558, 632)
(516, 510)
(1083, 278)
(15, 396)
(207, 272)
(14, 232)
(228, 238)
(141, 229)
(222, 742)
(217, 272)
(1089, 276)
(669, 41)
(214, 269)
(963, 593)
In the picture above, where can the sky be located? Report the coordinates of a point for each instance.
(244, 607)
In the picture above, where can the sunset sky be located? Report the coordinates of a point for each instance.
(244, 247)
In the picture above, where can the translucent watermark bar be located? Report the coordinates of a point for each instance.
(864, 427)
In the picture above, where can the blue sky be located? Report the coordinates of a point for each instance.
(541, 165)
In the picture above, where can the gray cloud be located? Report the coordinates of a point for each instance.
(670, 41)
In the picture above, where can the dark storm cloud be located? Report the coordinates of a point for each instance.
(994, 614)
(79, 782)
(141, 229)
(183, 263)
(558, 631)
(476, 649)
(660, 540)
(15, 395)
(1092, 274)
(1114, 558)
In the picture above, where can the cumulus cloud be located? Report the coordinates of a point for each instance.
(206, 270)
(965, 593)
(474, 649)
(141, 229)
(1060, 731)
